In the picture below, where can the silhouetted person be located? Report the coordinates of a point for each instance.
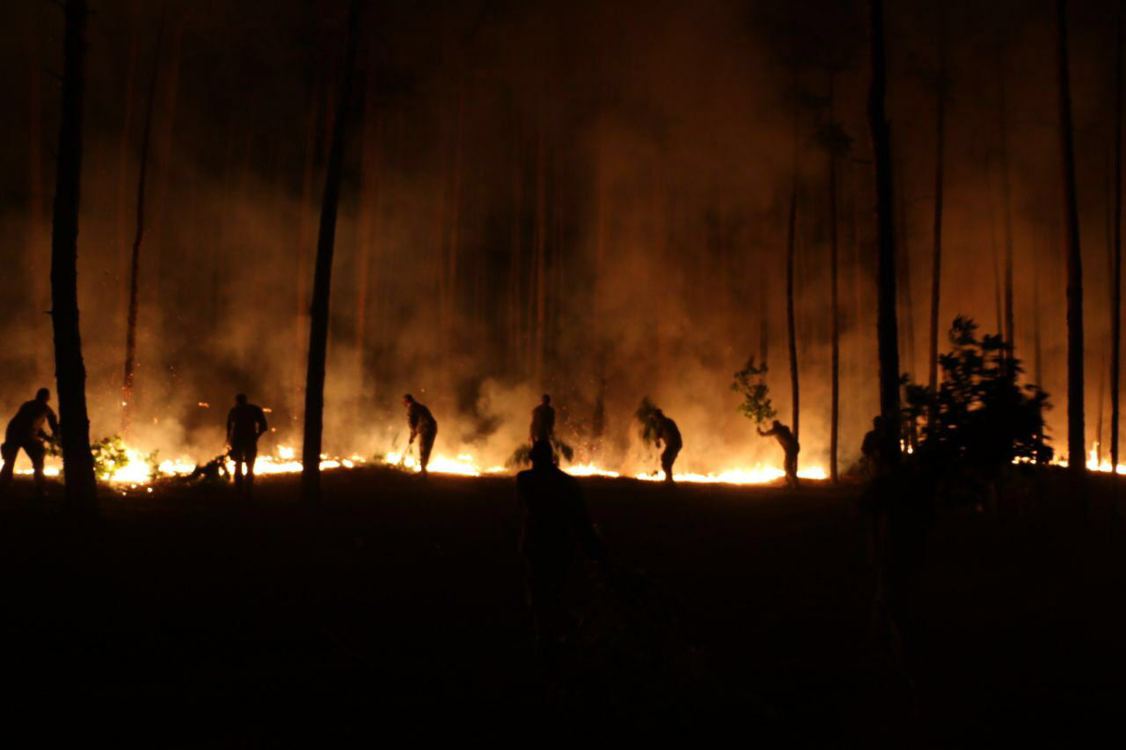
(556, 525)
(25, 432)
(245, 424)
(667, 433)
(789, 443)
(543, 421)
(876, 449)
(424, 427)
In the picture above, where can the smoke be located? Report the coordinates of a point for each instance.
(563, 197)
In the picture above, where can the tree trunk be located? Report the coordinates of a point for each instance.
(1006, 204)
(886, 333)
(939, 174)
(834, 303)
(70, 372)
(791, 325)
(1075, 424)
(130, 369)
(1116, 270)
(322, 278)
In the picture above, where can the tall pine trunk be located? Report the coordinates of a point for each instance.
(1075, 424)
(130, 369)
(322, 278)
(886, 327)
(791, 323)
(834, 302)
(1116, 270)
(939, 186)
(70, 371)
(1006, 203)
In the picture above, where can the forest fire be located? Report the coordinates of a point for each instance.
(137, 469)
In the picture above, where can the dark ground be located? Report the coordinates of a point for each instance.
(189, 618)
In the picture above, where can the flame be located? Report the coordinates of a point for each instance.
(138, 472)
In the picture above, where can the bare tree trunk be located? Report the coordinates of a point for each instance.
(1075, 417)
(939, 175)
(130, 369)
(1006, 203)
(791, 324)
(322, 278)
(539, 263)
(70, 371)
(886, 333)
(835, 312)
(1116, 270)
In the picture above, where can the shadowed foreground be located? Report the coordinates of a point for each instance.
(188, 617)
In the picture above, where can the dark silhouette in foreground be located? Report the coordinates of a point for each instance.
(543, 422)
(555, 525)
(424, 427)
(25, 432)
(789, 443)
(666, 433)
(245, 424)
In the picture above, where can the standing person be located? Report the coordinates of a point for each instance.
(555, 525)
(424, 427)
(789, 443)
(665, 431)
(25, 432)
(543, 421)
(245, 424)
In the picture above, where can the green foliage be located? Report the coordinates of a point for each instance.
(980, 418)
(109, 456)
(750, 383)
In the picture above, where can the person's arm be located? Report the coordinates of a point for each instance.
(52, 422)
(230, 425)
(412, 420)
(263, 425)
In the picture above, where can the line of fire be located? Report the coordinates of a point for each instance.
(826, 292)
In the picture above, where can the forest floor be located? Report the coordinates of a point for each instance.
(188, 617)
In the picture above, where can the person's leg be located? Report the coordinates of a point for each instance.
(36, 452)
(668, 458)
(8, 451)
(792, 469)
(425, 446)
(239, 459)
(251, 456)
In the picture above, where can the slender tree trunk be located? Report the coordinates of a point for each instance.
(130, 369)
(904, 289)
(70, 371)
(834, 302)
(1116, 270)
(539, 282)
(1075, 417)
(939, 186)
(886, 333)
(1006, 203)
(1037, 348)
(322, 278)
(791, 323)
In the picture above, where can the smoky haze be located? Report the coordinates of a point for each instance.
(582, 198)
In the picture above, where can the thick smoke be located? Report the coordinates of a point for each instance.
(563, 197)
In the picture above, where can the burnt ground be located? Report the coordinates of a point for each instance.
(189, 618)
